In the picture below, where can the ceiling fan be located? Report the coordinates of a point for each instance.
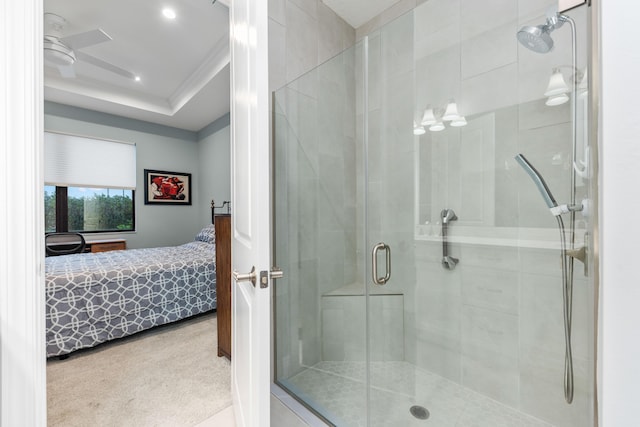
(63, 52)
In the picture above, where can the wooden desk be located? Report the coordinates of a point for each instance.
(106, 245)
(223, 283)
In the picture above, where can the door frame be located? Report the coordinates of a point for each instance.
(22, 301)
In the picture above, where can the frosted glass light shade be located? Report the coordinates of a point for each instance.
(557, 85)
(428, 118)
(451, 112)
(460, 121)
(436, 127)
(557, 100)
(419, 130)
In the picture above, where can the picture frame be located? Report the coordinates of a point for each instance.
(166, 188)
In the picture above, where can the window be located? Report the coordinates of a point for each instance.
(89, 184)
(88, 209)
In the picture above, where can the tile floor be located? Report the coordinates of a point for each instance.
(337, 389)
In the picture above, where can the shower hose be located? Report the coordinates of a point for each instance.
(567, 300)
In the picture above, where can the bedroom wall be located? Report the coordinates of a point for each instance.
(158, 147)
(214, 166)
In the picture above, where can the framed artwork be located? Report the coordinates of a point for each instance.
(166, 188)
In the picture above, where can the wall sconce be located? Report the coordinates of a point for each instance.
(436, 127)
(434, 118)
(557, 89)
(418, 130)
(428, 118)
(451, 112)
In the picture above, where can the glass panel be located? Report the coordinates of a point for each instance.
(100, 209)
(49, 208)
(320, 305)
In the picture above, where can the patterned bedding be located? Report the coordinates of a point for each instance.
(95, 297)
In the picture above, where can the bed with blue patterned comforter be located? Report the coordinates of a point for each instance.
(96, 297)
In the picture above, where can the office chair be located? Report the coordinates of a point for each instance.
(64, 243)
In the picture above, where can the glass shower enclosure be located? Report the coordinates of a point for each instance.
(426, 277)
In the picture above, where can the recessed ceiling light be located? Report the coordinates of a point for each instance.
(169, 13)
(137, 78)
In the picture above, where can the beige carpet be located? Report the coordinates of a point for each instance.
(167, 376)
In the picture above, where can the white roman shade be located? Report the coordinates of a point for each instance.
(75, 161)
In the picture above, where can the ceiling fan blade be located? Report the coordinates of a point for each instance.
(67, 71)
(88, 38)
(105, 65)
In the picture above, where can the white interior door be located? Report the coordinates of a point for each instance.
(250, 351)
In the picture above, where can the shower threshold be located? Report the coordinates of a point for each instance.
(337, 390)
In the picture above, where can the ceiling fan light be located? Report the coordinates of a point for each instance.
(58, 54)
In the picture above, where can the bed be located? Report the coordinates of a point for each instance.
(96, 297)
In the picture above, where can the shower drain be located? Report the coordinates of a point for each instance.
(419, 412)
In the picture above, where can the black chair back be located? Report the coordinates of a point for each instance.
(64, 243)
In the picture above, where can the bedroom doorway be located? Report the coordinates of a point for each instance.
(169, 117)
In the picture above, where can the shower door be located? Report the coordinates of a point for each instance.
(319, 305)
(422, 265)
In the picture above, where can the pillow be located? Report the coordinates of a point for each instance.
(207, 234)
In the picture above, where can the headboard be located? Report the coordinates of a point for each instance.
(214, 207)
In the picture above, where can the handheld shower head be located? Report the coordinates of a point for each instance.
(537, 179)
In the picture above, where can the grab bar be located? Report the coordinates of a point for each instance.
(374, 263)
(448, 262)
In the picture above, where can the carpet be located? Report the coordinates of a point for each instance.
(170, 375)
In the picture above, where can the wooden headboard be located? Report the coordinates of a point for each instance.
(214, 207)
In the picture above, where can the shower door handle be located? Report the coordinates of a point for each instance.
(374, 263)
(448, 262)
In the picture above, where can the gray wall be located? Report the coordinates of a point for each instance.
(214, 166)
(161, 148)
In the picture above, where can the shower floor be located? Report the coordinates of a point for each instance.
(337, 390)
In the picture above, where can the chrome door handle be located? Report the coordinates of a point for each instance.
(374, 264)
(249, 277)
(276, 273)
(448, 262)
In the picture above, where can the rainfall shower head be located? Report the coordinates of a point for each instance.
(537, 179)
(538, 38)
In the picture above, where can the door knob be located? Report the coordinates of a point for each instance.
(249, 277)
